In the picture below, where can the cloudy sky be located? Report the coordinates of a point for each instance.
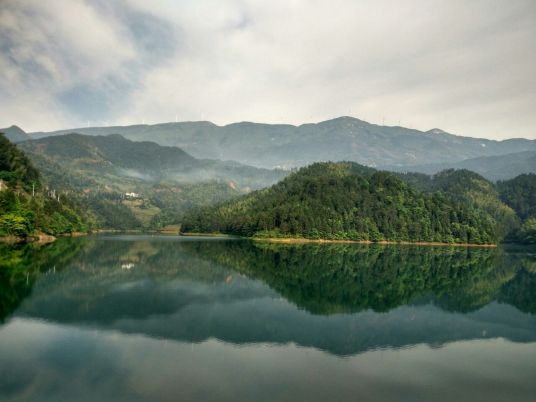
(467, 67)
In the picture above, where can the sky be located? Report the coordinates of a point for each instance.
(467, 67)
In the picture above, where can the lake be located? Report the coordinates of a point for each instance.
(164, 318)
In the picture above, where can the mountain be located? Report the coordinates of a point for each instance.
(138, 185)
(115, 155)
(15, 134)
(498, 167)
(343, 138)
(520, 194)
(346, 201)
(26, 206)
(472, 190)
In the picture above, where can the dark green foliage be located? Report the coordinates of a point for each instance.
(520, 194)
(15, 168)
(473, 191)
(175, 201)
(98, 171)
(331, 201)
(25, 206)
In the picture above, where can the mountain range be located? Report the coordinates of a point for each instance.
(287, 146)
(114, 157)
(496, 167)
(128, 185)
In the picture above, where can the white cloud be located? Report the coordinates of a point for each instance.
(464, 67)
(51, 47)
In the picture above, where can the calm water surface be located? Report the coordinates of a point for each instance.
(142, 318)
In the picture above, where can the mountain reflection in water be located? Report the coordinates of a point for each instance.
(340, 298)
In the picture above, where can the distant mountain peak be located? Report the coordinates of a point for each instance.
(436, 131)
(15, 133)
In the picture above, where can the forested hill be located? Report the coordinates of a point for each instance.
(129, 185)
(26, 207)
(343, 138)
(118, 156)
(346, 201)
(520, 194)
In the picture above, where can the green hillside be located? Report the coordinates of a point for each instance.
(472, 190)
(99, 171)
(345, 201)
(520, 194)
(117, 156)
(27, 207)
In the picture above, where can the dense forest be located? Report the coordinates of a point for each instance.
(98, 171)
(346, 201)
(27, 207)
(520, 194)
(54, 179)
(473, 191)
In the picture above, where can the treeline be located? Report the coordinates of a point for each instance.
(511, 203)
(344, 201)
(26, 206)
(520, 194)
(74, 166)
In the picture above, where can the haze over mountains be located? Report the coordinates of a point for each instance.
(115, 157)
(343, 138)
(496, 167)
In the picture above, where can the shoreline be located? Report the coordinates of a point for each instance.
(38, 238)
(44, 239)
(292, 240)
(301, 240)
(193, 234)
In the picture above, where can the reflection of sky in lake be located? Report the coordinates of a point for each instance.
(230, 321)
(70, 363)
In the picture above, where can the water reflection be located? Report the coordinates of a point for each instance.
(161, 318)
(344, 299)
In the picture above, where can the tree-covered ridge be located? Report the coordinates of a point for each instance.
(15, 167)
(99, 172)
(346, 201)
(520, 194)
(26, 206)
(471, 189)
